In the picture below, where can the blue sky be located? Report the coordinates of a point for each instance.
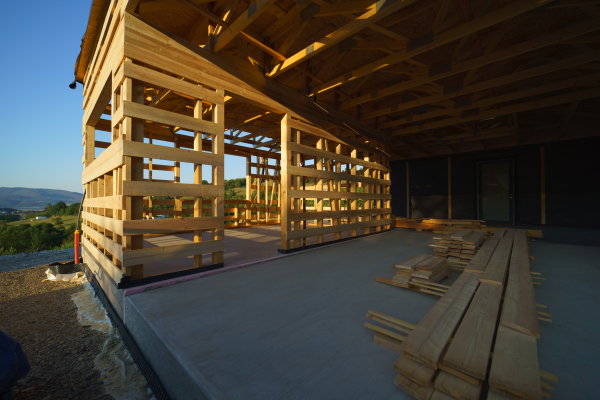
(40, 132)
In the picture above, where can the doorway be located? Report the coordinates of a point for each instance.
(496, 191)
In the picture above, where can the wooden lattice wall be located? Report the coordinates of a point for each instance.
(335, 177)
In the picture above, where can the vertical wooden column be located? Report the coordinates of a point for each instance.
(319, 188)
(286, 184)
(337, 204)
(177, 208)
(353, 203)
(297, 182)
(133, 171)
(543, 183)
(117, 190)
(407, 193)
(150, 179)
(366, 190)
(248, 191)
(218, 175)
(387, 189)
(376, 204)
(278, 164)
(449, 188)
(198, 181)
(89, 148)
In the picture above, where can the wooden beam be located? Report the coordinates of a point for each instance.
(378, 11)
(432, 41)
(253, 12)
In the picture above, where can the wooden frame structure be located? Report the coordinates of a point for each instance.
(189, 81)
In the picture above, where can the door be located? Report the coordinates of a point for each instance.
(496, 191)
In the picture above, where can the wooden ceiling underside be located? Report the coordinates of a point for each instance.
(437, 76)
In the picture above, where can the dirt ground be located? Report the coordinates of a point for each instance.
(42, 317)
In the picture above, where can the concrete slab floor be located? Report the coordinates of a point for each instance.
(293, 328)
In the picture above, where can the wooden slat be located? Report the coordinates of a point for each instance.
(469, 351)
(415, 371)
(114, 202)
(108, 160)
(413, 388)
(411, 262)
(134, 110)
(335, 228)
(515, 367)
(305, 216)
(113, 225)
(111, 269)
(495, 271)
(519, 311)
(138, 227)
(311, 151)
(456, 387)
(135, 71)
(481, 259)
(322, 194)
(143, 188)
(311, 172)
(153, 254)
(429, 339)
(156, 152)
(105, 242)
(388, 342)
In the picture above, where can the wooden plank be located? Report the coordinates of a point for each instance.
(108, 160)
(411, 262)
(135, 110)
(481, 259)
(388, 342)
(111, 269)
(156, 152)
(430, 265)
(311, 151)
(302, 233)
(460, 235)
(105, 242)
(244, 20)
(323, 194)
(305, 216)
(474, 238)
(154, 254)
(111, 224)
(144, 188)
(456, 387)
(495, 271)
(519, 311)
(499, 234)
(414, 389)
(515, 367)
(342, 176)
(439, 395)
(114, 202)
(429, 339)
(469, 351)
(415, 371)
(138, 227)
(472, 380)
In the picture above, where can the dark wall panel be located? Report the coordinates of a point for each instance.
(528, 203)
(428, 188)
(398, 188)
(572, 189)
(464, 186)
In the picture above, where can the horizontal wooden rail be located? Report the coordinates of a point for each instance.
(159, 167)
(147, 113)
(111, 269)
(107, 243)
(341, 176)
(154, 254)
(113, 225)
(300, 148)
(108, 160)
(139, 227)
(114, 202)
(321, 194)
(335, 228)
(139, 188)
(305, 216)
(147, 150)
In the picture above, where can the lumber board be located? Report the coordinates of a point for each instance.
(510, 233)
(499, 234)
(111, 224)
(108, 160)
(324, 194)
(414, 370)
(388, 342)
(413, 388)
(493, 395)
(495, 271)
(465, 377)
(103, 241)
(143, 188)
(114, 202)
(429, 339)
(515, 367)
(519, 311)
(311, 151)
(438, 276)
(411, 262)
(470, 349)
(143, 226)
(305, 216)
(439, 395)
(460, 235)
(474, 238)
(430, 265)
(456, 387)
(303, 171)
(156, 152)
(480, 261)
(153, 254)
(111, 269)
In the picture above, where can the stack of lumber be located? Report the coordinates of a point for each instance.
(461, 348)
(420, 273)
(438, 224)
(458, 247)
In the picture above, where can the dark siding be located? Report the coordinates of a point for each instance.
(528, 203)
(464, 186)
(428, 183)
(398, 188)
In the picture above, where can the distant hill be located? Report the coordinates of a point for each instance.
(21, 198)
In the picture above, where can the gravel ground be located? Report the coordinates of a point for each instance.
(69, 359)
(28, 260)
